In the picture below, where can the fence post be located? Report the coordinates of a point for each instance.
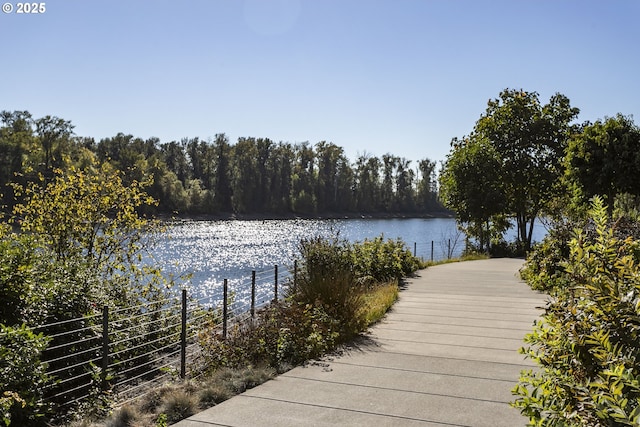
(253, 294)
(449, 250)
(183, 337)
(415, 245)
(295, 274)
(224, 310)
(105, 346)
(275, 286)
(432, 250)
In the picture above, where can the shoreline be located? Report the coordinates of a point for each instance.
(229, 216)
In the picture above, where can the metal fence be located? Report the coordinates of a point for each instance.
(125, 351)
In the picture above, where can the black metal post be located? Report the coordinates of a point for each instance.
(275, 284)
(224, 310)
(432, 250)
(183, 337)
(415, 245)
(295, 274)
(449, 249)
(105, 346)
(253, 294)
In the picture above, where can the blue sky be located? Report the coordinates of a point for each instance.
(376, 77)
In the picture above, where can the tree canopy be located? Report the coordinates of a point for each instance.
(529, 140)
(604, 159)
(195, 176)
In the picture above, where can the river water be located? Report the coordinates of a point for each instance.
(211, 251)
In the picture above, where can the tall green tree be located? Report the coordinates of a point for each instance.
(265, 150)
(303, 196)
(222, 189)
(530, 139)
(245, 175)
(16, 142)
(280, 167)
(387, 189)
(53, 133)
(332, 164)
(367, 183)
(405, 199)
(174, 155)
(604, 159)
(472, 185)
(427, 188)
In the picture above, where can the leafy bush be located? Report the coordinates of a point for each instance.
(588, 342)
(329, 281)
(383, 261)
(22, 377)
(544, 269)
(282, 336)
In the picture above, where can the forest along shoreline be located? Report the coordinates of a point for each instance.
(293, 216)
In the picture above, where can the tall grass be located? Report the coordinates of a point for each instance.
(328, 280)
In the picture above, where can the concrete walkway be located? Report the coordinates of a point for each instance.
(446, 355)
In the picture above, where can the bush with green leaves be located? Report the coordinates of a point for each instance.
(382, 260)
(587, 344)
(544, 269)
(22, 377)
(329, 280)
(282, 335)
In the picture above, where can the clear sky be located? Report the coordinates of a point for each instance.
(372, 76)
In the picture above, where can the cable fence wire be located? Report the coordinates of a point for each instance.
(127, 350)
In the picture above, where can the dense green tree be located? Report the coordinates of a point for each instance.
(174, 155)
(426, 193)
(404, 186)
(245, 176)
(472, 185)
(264, 175)
(280, 165)
(331, 191)
(604, 159)
(16, 142)
(303, 195)
(223, 191)
(367, 183)
(530, 139)
(54, 134)
(387, 190)
(345, 183)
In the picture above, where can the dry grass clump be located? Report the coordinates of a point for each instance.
(171, 403)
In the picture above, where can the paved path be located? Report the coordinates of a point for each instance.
(446, 355)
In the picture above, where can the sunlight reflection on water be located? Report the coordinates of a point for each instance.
(212, 251)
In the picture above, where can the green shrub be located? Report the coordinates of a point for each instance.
(22, 376)
(588, 343)
(283, 335)
(544, 269)
(380, 260)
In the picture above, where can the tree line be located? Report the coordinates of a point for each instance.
(214, 176)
